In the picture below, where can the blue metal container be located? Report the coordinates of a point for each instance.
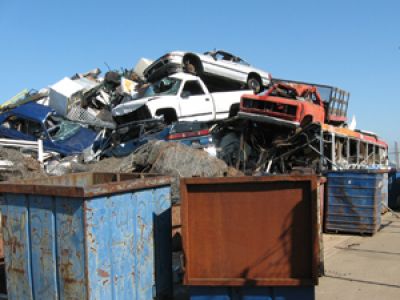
(353, 202)
(87, 236)
(394, 190)
(385, 193)
(252, 293)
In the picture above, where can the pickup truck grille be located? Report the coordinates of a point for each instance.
(265, 107)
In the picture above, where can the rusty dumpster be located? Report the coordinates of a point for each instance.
(88, 236)
(250, 231)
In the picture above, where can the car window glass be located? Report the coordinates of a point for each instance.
(34, 129)
(224, 56)
(166, 86)
(60, 129)
(16, 123)
(192, 88)
(283, 92)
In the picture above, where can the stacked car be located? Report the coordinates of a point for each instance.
(214, 101)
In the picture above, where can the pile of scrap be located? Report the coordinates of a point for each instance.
(185, 116)
(253, 123)
(15, 165)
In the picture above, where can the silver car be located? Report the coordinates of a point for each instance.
(215, 63)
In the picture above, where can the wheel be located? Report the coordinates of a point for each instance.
(189, 68)
(254, 84)
(169, 115)
(190, 65)
(306, 120)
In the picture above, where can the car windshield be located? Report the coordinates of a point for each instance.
(166, 86)
(60, 129)
(225, 56)
(283, 92)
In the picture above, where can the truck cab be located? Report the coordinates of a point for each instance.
(284, 104)
(294, 104)
(179, 97)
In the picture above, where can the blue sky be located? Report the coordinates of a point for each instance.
(354, 45)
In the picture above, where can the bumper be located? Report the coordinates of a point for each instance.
(268, 119)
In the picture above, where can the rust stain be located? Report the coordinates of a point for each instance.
(69, 280)
(20, 271)
(102, 273)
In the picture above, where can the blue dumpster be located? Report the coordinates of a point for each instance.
(385, 193)
(394, 190)
(354, 200)
(252, 293)
(87, 236)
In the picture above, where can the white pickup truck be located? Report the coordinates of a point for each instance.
(180, 97)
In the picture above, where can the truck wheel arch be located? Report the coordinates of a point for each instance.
(308, 119)
(169, 114)
(191, 63)
(234, 109)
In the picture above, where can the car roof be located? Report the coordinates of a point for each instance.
(33, 111)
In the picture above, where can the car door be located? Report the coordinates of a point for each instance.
(18, 128)
(225, 66)
(195, 103)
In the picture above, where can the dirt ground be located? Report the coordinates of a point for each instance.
(358, 267)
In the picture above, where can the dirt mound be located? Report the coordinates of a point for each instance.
(21, 167)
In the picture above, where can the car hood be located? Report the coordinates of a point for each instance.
(127, 107)
(83, 138)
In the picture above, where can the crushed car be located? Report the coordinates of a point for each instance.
(179, 97)
(214, 63)
(34, 121)
(294, 105)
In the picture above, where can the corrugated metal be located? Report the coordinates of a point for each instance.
(394, 190)
(252, 293)
(250, 230)
(354, 201)
(385, 193)
(321, 193)
(100, 242)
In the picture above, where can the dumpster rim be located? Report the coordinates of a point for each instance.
(90, 191)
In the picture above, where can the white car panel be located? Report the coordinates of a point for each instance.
(224, 68)
(205, 107)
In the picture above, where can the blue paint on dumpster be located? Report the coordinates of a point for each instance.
(394, 190)
(252, 293)
(385, 193)
(92, 236)
(353, 202)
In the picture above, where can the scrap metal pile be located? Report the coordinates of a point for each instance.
(216, 102)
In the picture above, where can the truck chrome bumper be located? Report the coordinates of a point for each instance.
(267, 119)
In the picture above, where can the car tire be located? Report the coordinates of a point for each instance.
(254, 84)
(192, 66)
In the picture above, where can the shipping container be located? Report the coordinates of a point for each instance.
(242, 231)
(88, 236)
(252, 293)
(354, 200)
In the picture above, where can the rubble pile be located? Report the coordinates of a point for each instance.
(15, 165)
(179, 116)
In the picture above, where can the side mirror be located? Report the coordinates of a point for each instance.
(185, 94)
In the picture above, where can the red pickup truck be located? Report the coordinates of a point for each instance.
(295, 104)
